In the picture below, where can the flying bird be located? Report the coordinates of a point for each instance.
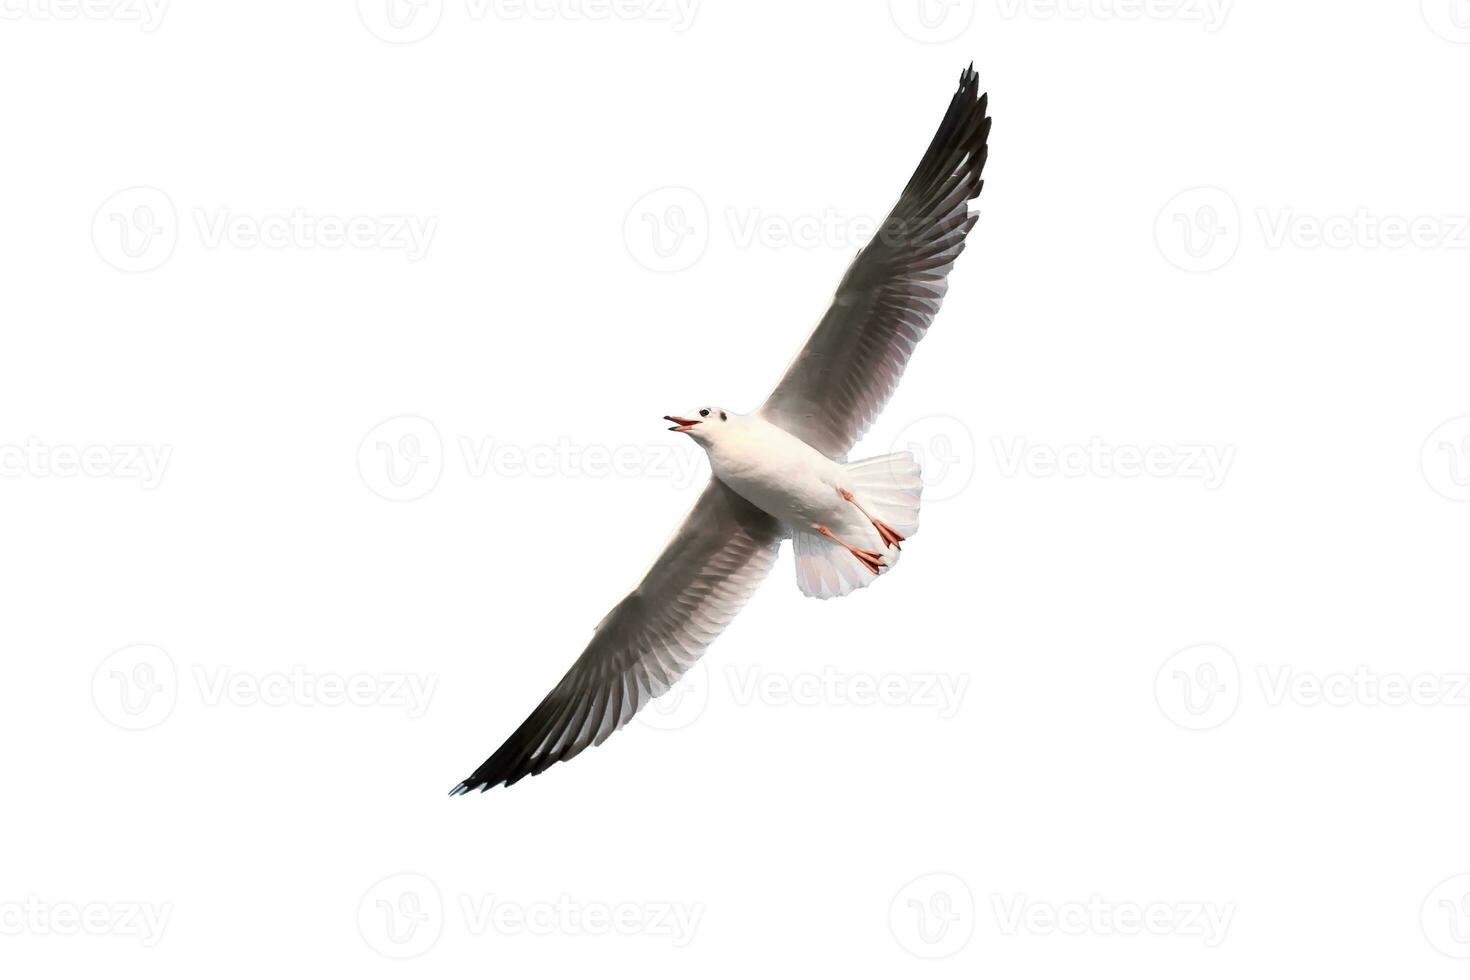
(781, 471)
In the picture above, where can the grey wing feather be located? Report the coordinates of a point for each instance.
(710, 567)
(839, 382)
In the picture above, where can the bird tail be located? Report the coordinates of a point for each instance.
(887, 488)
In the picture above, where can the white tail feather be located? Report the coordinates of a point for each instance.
(888, 487)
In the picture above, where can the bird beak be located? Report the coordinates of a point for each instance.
(680, 424)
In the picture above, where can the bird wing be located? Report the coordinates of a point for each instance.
(707, 571)
(843, 377)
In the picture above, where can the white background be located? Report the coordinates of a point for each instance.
(1231, 232)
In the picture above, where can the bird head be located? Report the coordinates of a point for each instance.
(702, 424)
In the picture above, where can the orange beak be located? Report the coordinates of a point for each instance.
(680, 424)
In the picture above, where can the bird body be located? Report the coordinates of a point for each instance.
(780, 472)
(774, 470)
(804, 489)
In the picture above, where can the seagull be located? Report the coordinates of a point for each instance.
(781, 471)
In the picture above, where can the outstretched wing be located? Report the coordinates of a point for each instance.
(711, 566)
(843, 377)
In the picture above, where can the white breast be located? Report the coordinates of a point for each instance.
(776, 471)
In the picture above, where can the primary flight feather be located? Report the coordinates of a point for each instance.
(777, 472)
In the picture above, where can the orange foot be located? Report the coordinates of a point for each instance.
(891, 538)
(871, 560)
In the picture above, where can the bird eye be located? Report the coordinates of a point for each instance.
(703, 412)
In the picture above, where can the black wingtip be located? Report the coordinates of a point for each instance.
(469, 786)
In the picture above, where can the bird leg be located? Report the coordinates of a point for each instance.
(871, 560)
(888, 534)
